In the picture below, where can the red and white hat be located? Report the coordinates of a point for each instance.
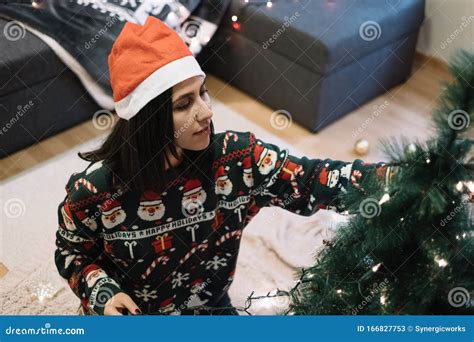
(192, 186)
(221, 174)
(247, 165)
(109, 207)
(149, 198)
(259, 153)
(144, 62)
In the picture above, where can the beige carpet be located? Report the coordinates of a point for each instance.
(274, 246)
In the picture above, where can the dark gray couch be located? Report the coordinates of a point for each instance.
(39, 95)
(318, 65)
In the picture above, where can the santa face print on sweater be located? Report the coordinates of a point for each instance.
(265, 158)
(67, 217)
(151, 206)
(112, 214)
(194, 197)
(330, 178)
(93, 276)
(223, 183)
(87, 221)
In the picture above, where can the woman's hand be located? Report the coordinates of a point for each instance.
(116, 304)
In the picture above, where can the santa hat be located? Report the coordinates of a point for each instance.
(67, 211)
(221, 174)
(259, 153)
(144, 62)
(197, 281)
(247, 165)
(150, 198)
(324, 175)
(90, 268)
(110, 206)
(81, 215)
(166, 302)
(192, 186)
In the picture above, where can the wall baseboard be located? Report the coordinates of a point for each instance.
(433, 60)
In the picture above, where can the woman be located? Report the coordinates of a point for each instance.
(153, 224)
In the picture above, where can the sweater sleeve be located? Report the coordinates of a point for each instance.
(78, 254)
(303, 185)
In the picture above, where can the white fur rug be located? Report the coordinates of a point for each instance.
(274, 245)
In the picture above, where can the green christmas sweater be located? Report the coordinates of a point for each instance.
(175, 252)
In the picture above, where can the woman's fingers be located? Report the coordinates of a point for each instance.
(130, 305)
(111, 311)
(121, 301)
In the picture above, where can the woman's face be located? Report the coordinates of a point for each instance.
(192, 114)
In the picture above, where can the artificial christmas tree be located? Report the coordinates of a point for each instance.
(408, 247)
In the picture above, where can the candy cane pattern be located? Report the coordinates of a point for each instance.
(294, 184)
(226, 139)
(160, 260)
(86, 183)
(228, 235)
(202, 247)
(355, 177)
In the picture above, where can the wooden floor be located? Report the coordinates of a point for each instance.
(404, 110)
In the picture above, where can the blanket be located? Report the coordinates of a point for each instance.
(82, 32)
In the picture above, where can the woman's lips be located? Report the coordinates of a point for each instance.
(206, 130)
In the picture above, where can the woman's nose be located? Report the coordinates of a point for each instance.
(205, 112)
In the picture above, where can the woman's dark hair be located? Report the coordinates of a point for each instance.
(135, 150)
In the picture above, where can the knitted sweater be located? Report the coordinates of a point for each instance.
(176, 251)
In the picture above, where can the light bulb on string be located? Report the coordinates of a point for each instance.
(441, 262)
(385, 197)
(376, 267)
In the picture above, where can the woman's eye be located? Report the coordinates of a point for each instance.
(182, 106)
(204, 91)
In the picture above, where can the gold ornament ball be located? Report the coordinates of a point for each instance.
(361, 147)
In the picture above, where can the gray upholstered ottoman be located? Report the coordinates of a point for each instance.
(316, 59)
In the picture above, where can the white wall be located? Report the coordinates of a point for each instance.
(449, 25)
